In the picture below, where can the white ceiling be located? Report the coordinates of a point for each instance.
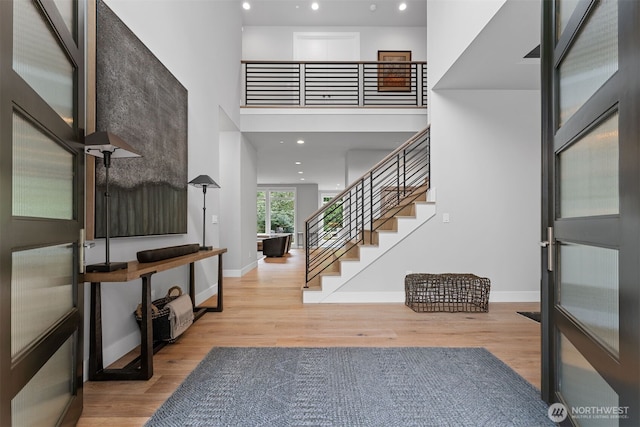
(322, 156)
(495, 58)
(493, 61)
(336, 13)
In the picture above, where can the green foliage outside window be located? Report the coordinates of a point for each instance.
(332, 218)
(262, 211)
(281, 209)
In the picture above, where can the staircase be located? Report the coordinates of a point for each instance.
(367, 219)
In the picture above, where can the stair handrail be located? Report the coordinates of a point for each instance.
(367, 205)
(373, 169)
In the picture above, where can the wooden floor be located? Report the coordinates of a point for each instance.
(264, 308)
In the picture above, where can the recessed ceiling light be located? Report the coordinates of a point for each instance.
(246, 5)
(300, 141)
(298, 163)
(315, 5)
(300, 172)
(373, 7)
(281, 142)
(402, 6)
(301, 179)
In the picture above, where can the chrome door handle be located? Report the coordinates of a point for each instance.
(81, 246)
(550, 245)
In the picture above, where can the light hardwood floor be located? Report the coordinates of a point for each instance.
(264, 308)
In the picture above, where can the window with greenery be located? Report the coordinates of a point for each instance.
(262, 211)
(332, 217)
(276, 211)
(282, 211)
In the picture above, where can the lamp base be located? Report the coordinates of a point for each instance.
(206, 248)
(105, 267)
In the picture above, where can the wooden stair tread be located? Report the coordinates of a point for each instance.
(386, 223)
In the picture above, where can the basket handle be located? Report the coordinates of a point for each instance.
(174, 288)
(154, 310)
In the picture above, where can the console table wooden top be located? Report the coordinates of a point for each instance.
(142, 367)
(136, 269)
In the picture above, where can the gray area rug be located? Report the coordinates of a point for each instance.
(352, 387)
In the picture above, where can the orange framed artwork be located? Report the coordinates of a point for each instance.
(395, 76)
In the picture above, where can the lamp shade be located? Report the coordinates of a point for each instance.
(97, 143)
(203, 181)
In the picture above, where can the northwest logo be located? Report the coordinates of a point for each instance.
(557, 412)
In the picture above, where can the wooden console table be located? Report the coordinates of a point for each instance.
(142, 367)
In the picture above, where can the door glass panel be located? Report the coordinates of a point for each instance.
(591, 400)
(564, 9)
(45, 397)
(41, 292)
(42, 174)
(68, 12)
(589, 289)
(591, 60)
(589, 173)
(40, 61)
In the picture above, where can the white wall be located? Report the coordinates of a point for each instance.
(485, 166)
(248, 208)
(200, 43)
(276, 43)
(453, 24)
(238, 177)
(230, 201)
(360, 161)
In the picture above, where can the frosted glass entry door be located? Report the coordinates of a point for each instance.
(591, 60)
(590, 256)
(42, 292)
(589, 171)
(42, 205)
(43, 400)
(40, 60)
(589, 290)
(584, 389)
(43, 174)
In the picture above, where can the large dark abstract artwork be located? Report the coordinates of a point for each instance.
(138, 99)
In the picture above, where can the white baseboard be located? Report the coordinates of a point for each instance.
(242, 272)
(394, 297)
(116, 350)
(206, 294)
(515, 296)
(365, 297)
(232, 273)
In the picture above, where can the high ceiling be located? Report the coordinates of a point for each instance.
(493, 61)
(323, 156)
(336, 13)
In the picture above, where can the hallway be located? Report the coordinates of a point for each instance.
(264, 308)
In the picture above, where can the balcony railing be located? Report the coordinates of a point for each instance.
(335, 84)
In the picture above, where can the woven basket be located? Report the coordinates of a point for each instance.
(447, 292)
(160, 315)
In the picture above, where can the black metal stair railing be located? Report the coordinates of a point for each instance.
(354, 216)
(334, 84)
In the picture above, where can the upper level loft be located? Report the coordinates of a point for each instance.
(337, 84)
